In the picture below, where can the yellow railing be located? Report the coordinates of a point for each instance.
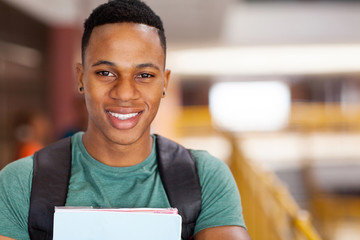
(194, 120)
(325, 116)
(302, 117)
(270, 212)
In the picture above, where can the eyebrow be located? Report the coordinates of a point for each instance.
(145, 65)
(103, 62)
(142, 65)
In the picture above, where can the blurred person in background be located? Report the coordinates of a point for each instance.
(32, 132)
(115, 161)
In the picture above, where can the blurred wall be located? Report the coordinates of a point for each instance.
(23, 64)
(37, 74)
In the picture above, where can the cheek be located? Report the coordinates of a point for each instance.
(155, 102)
(153, 95)
(94, 91)
(93, 98)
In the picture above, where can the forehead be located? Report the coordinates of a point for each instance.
(124, 40)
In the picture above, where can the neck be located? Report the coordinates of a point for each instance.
(115, 154)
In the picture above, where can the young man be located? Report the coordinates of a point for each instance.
(114, 163)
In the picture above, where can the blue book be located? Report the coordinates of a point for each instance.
(111, 224)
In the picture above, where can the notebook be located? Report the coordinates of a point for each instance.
(116, 223)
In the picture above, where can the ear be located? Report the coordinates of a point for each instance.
(79, 77)
(167, 74)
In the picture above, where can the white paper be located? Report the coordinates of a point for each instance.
(111, 224)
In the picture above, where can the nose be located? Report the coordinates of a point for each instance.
(124, 89)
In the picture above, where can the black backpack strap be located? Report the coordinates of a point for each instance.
(181, 182)
(51, 175)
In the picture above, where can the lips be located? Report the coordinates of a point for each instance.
(123, 119)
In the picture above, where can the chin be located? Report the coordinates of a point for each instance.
(127, 137)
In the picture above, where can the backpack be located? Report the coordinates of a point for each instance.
(52, 171)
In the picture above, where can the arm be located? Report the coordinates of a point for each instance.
(225, 232)
(15, 186)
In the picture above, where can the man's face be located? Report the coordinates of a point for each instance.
(123, 78)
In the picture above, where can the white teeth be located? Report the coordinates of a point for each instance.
(123, 116)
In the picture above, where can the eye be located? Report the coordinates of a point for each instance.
(146, 75)
(105, 73)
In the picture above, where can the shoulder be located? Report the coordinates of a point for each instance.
(214, 174)
(19, 168)
(17, 176)
(209, 166)
(203, 157)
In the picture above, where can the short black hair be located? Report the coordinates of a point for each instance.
(119, 11)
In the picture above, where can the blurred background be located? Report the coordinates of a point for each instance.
(270, 87)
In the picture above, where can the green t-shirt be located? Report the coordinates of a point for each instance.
(95, 184)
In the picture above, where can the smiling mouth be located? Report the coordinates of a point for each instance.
(123, 116)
